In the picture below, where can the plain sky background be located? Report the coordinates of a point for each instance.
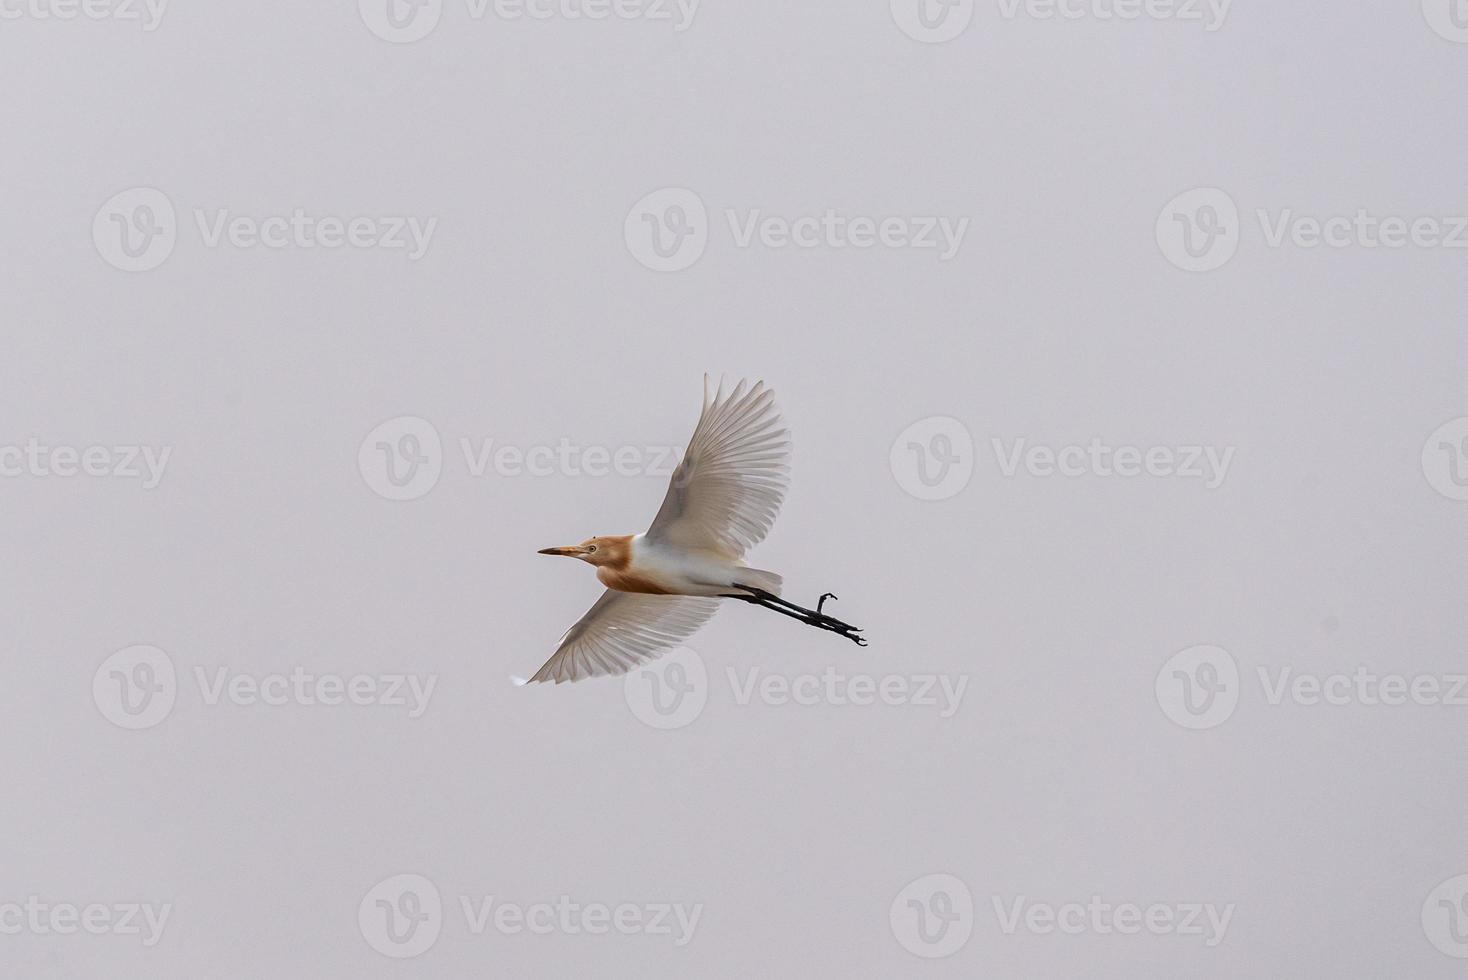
(530, 321)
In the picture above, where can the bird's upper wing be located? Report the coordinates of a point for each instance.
(725, 494)
(622, 630)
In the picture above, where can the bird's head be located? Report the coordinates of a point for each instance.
(595, 551)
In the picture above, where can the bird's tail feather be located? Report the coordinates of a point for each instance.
(760, 579)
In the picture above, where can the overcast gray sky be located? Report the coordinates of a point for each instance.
(1122, 348)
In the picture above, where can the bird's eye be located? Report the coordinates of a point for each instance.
(592, 548)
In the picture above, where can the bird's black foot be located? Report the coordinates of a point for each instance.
(841, 629)
(833, 624)
(811, 617)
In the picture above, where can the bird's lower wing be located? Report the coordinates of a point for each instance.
(623, 630)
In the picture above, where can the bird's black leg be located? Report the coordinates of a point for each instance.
(811, 617)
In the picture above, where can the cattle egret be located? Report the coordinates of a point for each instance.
(663, 584)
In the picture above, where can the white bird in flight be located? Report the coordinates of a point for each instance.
(663, 584)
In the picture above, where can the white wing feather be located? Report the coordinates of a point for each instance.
(725, 494)
(623, 630)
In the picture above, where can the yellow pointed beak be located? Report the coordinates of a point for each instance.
(574, 551)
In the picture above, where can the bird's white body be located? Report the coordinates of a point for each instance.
(672, 570)
(664, 584)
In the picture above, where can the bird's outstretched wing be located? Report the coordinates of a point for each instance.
(725, 494)
(623, 630)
